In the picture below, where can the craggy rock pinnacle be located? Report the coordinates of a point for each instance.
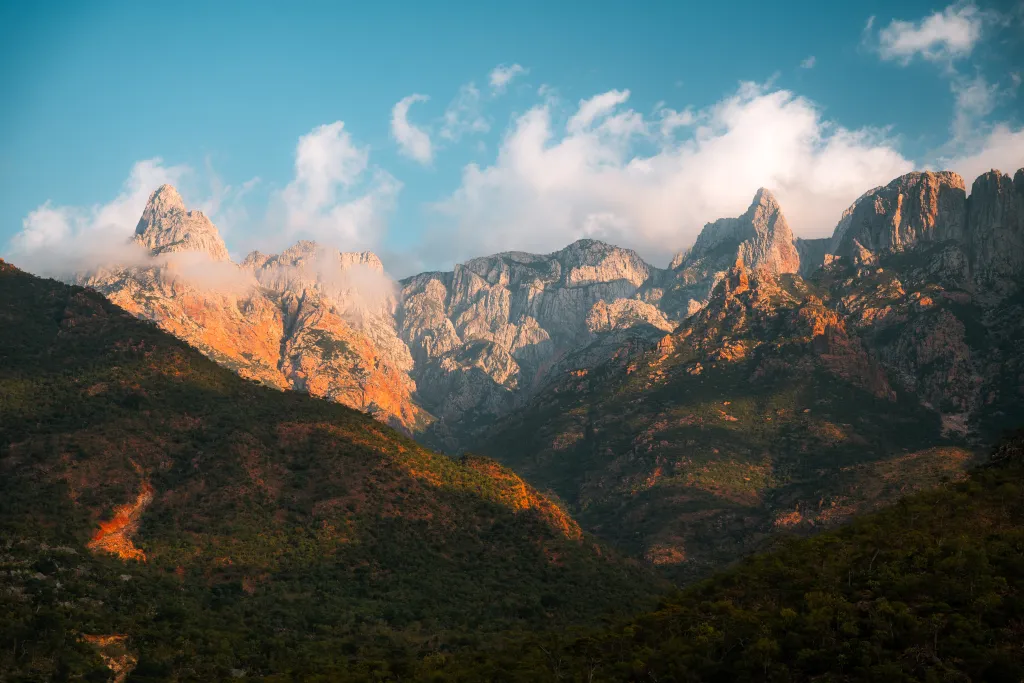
(760, 239)
(167, 227)
(311, 318)
(914, 208)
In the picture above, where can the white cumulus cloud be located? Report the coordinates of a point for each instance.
(550, 184)
(939, 37)
(503, 74)
(808, 63)
(335, 197)
(60, 240)
(414, 142)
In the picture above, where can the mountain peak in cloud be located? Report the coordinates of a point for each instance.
(166, 226)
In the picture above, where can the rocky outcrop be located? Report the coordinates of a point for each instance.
(167, 227)
(995, 220)
(113, 650)
(487, 333)
(760, 239)
(813, 253)
(922, 209)
(914, 208)
(310, 319)
(115, 536)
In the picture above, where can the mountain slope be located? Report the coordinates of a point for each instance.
(486, 335)
(786, 403)
(157, 502)
(761, 413)
(929, 589)
(310, 319)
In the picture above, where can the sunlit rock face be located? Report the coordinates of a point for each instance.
(760, 239)
(167, 227)
(914, 208)
(450, 352)
(311, 318)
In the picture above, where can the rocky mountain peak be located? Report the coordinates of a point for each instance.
(164, 200)
(166, 226)
(760, 239)
(995, 225)
(916, 207)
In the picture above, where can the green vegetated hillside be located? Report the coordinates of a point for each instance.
(785, 405)
(162, 517)
(929, 589)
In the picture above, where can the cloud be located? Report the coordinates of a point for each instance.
(463, 115)
(502, 75)
(940, 37)
(550, 185)
(412, 141)
(670, 119)
(808, 63)
(1002, 148)
(975, 99)
(60, 240)
(596, 107)
(335, 198)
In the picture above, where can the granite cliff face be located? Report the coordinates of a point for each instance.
(486, 334)
(760, 239)
(309, 319)
(914, 208)
(995, 221)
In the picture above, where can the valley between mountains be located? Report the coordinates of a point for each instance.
(293, 468)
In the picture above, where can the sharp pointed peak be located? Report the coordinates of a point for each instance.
(167, 197)
(166, 225)
(766, 198)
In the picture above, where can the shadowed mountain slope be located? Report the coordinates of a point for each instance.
(929, 589)
(158, 504)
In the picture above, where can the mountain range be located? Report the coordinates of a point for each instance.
(621, 428)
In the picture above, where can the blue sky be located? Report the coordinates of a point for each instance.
(280, 121)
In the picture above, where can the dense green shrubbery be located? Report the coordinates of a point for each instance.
(287, 535)
(929, 590)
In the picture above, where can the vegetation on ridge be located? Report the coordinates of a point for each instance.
(930, 589)
(262, 532)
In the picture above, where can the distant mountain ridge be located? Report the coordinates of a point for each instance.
(786, 403)
(444, 354)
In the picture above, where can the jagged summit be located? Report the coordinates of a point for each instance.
(761, 239)
(166, 226)
(994, 228)
(309, 253)
(916, 207)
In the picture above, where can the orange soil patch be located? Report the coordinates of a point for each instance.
(114, 653)
(114, 536)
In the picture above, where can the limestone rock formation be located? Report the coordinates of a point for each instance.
(760, 238)
(310, 318)
(995, 221)
(167, 227)
(914, 208)
(488, 332)
(813, 254)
